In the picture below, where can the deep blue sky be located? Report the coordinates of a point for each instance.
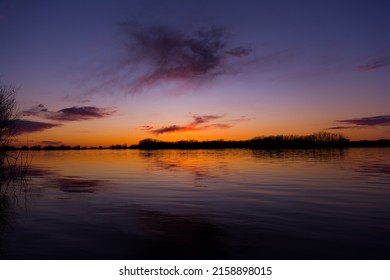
(137, 69)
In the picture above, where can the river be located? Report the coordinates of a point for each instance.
(200, 204)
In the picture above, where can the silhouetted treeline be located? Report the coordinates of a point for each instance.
(271, 142)
(66, 147)
(367, 143)
(321, 139)
(316, 140)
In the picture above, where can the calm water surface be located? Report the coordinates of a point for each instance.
(201, 204)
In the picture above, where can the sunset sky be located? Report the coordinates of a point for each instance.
(115, 72)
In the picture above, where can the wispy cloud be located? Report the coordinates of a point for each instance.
(69, 114)
(369, 121)
(363, 122)
(198, 123)
(155, 54)
(146, 127)
(26, 126)
(340, 127)
(375, 64)
(241, 119)
(239, 51)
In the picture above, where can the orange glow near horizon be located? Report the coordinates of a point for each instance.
(179, 75)
(106, 137)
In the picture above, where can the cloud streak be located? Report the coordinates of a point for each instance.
(156, 54)
(198, 123)
(238, 52)
(369, 121)
(340, 127)
(375, 64)
(20, 126)
(363, 122)
(69, 114)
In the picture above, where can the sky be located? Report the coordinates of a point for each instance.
(115, 72)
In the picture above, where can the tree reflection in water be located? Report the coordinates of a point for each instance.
(13, 187)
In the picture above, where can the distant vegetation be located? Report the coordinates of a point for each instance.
(321, 139)
(316, 140)
(67, 147)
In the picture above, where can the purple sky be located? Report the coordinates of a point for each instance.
(102, 72)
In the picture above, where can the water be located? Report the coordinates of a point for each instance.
(201, 204)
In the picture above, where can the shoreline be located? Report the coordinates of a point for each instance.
(215, 145)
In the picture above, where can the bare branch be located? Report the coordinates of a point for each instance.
(7, 112)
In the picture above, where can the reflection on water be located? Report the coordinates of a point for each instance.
(323, 155)
(3, 212)
(202, 204)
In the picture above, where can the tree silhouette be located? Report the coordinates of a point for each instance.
(11, 165)
(7, 114)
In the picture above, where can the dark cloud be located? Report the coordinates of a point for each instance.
(369, 121)
(25, 126)
(199, 123)
(69, 114)
(340, 127)
(216, 125)
(156, 54)
(375, 64)
(364, 122)
(172, 128)
(40, 109)
(238, 52)
(204, 119)
(146, 127)
(81, 113)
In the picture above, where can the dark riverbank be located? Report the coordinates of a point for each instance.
(258, 143)
(317, 140)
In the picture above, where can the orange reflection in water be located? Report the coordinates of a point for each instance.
(173, 204)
